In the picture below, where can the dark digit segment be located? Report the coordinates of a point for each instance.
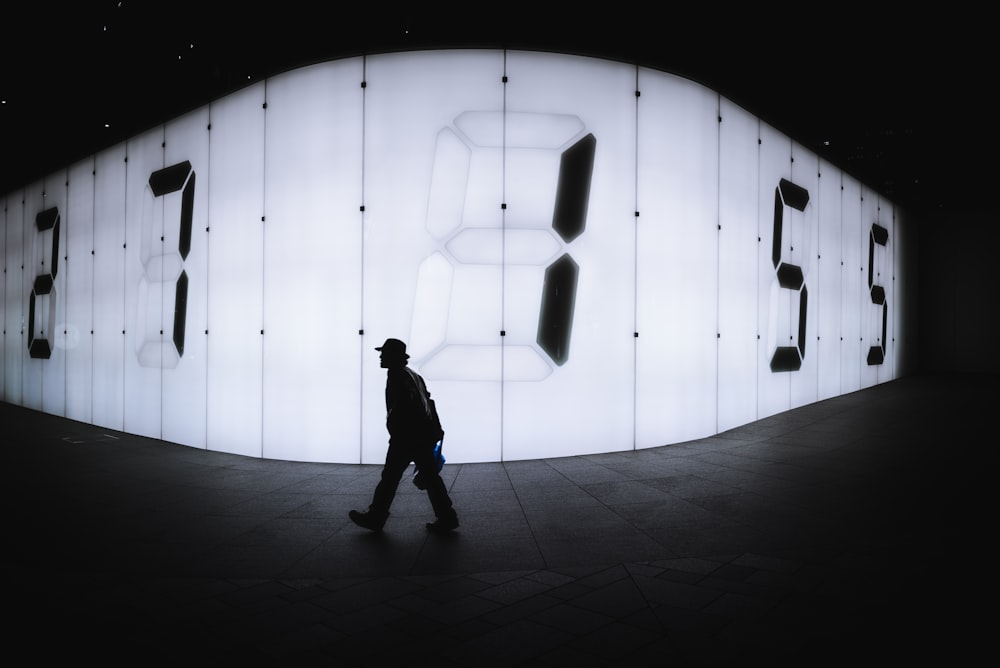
(163, 182)
(171, 179)
(555, 319)
(789, 358)
(44, 287)
(569, 219)
(576, 167)
(180, 312)
(880, 236)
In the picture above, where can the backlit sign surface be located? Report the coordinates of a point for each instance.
(583, 256)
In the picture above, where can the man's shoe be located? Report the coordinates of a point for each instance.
(367, 520)
(443, 525)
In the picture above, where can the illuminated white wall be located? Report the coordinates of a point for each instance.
(583, 256)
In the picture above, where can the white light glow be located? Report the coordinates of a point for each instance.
(575, 268)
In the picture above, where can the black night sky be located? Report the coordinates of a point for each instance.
(900, 103)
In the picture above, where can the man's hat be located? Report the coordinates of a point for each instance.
(393, 347)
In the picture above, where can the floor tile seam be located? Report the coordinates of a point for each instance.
(305, 558)
(648, 531)
(783, 454)
(613, 507)
(524, 514)
(742, 485)
(735, 518)
(787, 457)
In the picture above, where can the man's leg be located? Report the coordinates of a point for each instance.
(396, 462)
(441, 502)
(437, 492)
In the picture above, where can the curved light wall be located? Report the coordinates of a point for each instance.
(583, 256)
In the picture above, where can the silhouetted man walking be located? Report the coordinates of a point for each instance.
(413, 432)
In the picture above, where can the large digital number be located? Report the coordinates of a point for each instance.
(164, 268)
(789, 276)
(474, 252)
(879, 237)
(42, 301)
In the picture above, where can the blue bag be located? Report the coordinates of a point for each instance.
(438, 462)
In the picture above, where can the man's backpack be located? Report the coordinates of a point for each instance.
(434, 431)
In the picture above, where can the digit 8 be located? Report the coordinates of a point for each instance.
(43, 288)
(476, 253)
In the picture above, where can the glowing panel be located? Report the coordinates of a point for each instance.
(153, 270)
(235, 272)
(3, 292)
(428, 177)
(677, 261)
(801, 233)
(15, 346)
(828, 282)
(886, 370)
(782, 290)
(38, 302)
(44, 296)
(871, 299)
(79, 268)
(903, 295)
(312, 263)
(575, 311)
(183, 184)
(38, 306)
(737, 302)
(582, 255)
(109, 287)
(52, 249)
(850, 354)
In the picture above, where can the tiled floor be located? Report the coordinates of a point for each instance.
(846, 532)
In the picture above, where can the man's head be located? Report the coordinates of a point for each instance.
(393, 353)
